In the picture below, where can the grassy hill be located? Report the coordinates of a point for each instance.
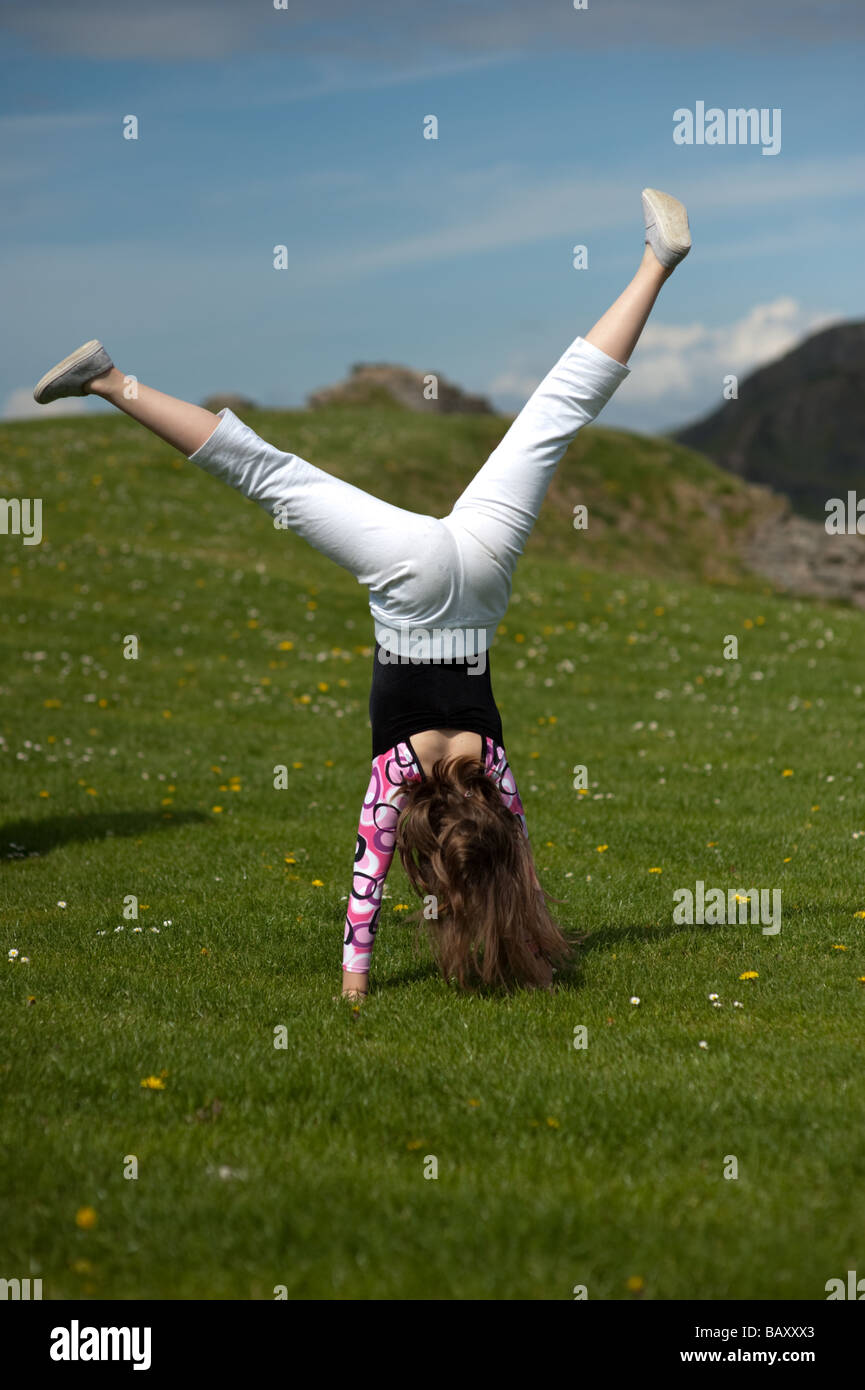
(154, 778)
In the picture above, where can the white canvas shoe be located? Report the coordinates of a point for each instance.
(667, 230)
(69, 377)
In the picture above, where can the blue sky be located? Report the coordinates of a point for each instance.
(304, 127)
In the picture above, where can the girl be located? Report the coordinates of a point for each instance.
(441, 791)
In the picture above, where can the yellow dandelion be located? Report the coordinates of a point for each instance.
(401, 907)
(656, 871)
(552, 1122)
(216, 810)
(81, 1267)
(788, 772)
(749, 975)
(297, 766)
(290, 859)
(205, 952)
(787, 860)
(839, 948)
(414, 1144)
(635, 1283)
(317, 883)
(153, 1083)
(601, 848)
(859, 914)
(44, 793)
(85, 1218)
(474, 1103)
(166, 714)
(323, 686)
(286, 646)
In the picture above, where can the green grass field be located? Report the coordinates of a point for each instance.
(557, 1167)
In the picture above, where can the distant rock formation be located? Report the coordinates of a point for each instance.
(227, 400)
(798, 425)
(383, 383)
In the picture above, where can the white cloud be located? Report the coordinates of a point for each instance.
(677, 370)
(20, 405)
(675, 360)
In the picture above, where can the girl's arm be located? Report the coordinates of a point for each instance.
(376, 840)
(499, 769)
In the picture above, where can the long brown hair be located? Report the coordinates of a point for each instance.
(459, 843)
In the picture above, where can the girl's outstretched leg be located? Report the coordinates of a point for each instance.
(500, 505)
(183, 425)
(618, 330)
(668, 241)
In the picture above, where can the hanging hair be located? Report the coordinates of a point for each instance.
(459, 843)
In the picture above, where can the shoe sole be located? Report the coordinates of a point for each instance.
(73, 360)
(671, 220)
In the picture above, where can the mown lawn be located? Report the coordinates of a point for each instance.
(601, 1166)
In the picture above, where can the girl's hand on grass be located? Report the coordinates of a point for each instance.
(355, 986)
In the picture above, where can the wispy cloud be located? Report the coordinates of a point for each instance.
(386, 32)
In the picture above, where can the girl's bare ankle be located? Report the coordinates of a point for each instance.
(101, 385)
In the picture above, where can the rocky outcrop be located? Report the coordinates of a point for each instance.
(798, 425)
(383, 383)
(799, 556)
(228, 400)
